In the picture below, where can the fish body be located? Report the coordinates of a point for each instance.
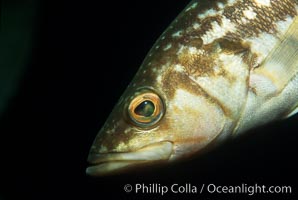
(222, 67)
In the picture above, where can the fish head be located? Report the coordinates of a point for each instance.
(154, 122)
(199, 84)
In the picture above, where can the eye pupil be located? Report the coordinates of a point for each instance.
(146, 109)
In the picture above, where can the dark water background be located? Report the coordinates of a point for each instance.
(84, 55)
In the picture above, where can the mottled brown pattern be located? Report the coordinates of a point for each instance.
(263, 22)
(184, 23)
(205, 5)
(188, 59)
(197, 64)
(231, 46)
(173, 80)
(235, 46)
(206, 24)
(250, 59)
(265, 16)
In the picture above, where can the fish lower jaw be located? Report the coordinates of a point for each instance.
(111, 163)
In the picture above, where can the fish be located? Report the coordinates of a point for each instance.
(221, 68)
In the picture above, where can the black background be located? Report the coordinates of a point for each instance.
(85, 54)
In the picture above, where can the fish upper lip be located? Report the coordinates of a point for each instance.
(104, 163)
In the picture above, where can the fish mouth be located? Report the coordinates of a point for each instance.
(109, 163)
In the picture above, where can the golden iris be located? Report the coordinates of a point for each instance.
(146, 109)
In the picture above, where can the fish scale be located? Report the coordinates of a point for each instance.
(221, 68)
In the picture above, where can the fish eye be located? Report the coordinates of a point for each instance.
(146, 109)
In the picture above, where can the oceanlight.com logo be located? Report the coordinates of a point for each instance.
(188, 188)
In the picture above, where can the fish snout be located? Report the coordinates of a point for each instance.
(107, 163)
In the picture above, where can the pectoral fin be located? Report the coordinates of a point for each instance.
(281, 66)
